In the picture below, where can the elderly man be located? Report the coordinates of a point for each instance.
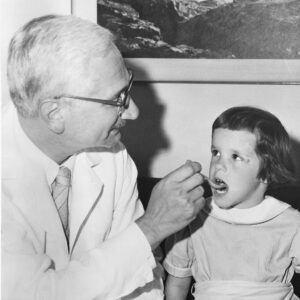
(72, 225)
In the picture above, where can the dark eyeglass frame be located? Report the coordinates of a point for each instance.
(121, 101)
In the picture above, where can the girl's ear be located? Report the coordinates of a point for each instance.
(51, 113)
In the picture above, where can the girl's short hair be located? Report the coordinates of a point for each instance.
(273, 145)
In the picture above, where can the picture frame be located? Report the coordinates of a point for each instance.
(238, 71)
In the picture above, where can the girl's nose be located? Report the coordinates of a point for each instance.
(220, 164)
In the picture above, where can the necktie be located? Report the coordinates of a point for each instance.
(60, 192)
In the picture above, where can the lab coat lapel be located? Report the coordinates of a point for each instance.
(85, 194)
(36, 203)
(29, 185)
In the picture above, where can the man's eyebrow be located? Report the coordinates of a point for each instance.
(121, 90)
(125, 87)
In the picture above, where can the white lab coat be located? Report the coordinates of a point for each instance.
(109, 255)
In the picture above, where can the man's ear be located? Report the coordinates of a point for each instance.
(51, 113)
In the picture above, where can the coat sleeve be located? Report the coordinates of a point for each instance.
(128, 209)
(29, 274)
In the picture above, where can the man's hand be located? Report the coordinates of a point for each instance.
(175, 201)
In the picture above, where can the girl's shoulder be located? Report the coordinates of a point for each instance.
(289, 217)
(293, 214)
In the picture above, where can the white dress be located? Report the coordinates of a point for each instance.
(239, 253)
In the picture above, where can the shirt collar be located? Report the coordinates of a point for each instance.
(268, 209)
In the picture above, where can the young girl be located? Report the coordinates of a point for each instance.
(244, 244)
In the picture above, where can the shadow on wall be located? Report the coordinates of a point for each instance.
(145, 137)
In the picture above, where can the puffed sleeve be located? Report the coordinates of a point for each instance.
(295, 251)
(179, 254)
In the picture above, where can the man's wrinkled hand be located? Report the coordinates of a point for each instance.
(175, 201)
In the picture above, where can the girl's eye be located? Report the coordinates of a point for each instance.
(215, 152)
(236, 157)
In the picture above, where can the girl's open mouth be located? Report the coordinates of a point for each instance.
(218, 185)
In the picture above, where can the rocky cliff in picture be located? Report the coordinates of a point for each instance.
(204, 29)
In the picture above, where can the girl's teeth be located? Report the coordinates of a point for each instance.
(220, 186)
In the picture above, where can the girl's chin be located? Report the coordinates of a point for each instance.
(221, 203)
(219, 195)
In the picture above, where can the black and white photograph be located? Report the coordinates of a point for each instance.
(217, 29)
(244, 41)
(150, 149)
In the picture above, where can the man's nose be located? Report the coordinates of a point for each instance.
(132, 112)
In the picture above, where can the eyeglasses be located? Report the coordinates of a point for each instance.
(121, 101)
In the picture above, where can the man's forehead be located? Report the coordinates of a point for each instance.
(96, 73)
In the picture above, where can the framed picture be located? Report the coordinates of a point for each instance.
(214, 41)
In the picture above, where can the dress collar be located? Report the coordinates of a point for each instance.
(268, 209)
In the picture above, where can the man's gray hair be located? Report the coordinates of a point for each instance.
(44, 54)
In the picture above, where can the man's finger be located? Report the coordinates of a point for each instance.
(196, 193)
(192, 182)
(199, 204)
(185, 171)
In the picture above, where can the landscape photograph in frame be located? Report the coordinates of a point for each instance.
(230, 41)
(221, 29)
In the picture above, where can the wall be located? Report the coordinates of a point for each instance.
(175, 120)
